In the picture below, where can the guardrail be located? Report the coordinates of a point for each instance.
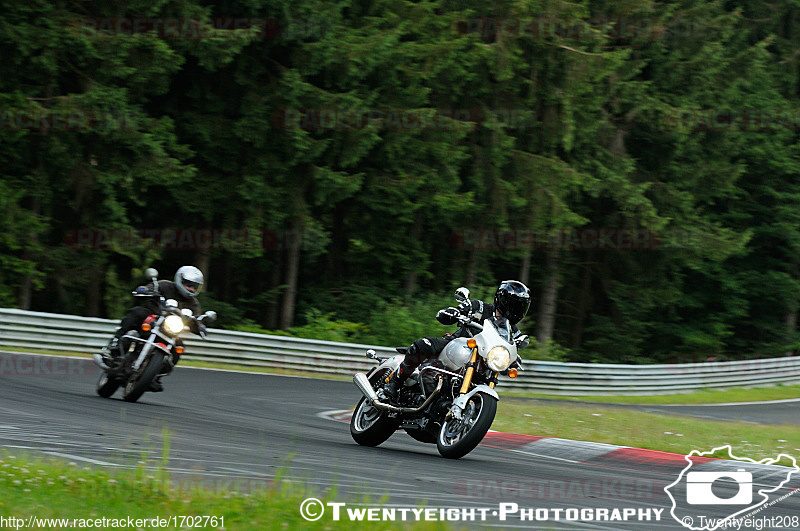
(19, 328)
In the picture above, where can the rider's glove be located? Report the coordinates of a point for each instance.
(448, 316)
(522, 341)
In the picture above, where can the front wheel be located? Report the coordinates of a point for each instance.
(457, 438)
(106, 386)
(370, 426)
(140, 383)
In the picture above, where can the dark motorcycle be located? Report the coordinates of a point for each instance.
(154, 349)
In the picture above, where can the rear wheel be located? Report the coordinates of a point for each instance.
(138, 385)
(370, 426)
(106, 386)
(459, 437)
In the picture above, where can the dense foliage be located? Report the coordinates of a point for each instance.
(636, 163)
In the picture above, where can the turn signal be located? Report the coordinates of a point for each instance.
(512, 373)
(471, 343)
(146, 327)
(179, 349)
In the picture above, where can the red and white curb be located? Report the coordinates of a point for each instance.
(605, 455)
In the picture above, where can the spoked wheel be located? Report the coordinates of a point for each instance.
(370, 426)
(458, 437)
(106, 386)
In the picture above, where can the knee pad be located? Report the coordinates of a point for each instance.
(423, 349)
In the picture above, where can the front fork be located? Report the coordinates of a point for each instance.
(457, 408)
(470, 372)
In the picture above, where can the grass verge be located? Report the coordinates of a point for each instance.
(701, 396)
(624, 427)
(51, 489)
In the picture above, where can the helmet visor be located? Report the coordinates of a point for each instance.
(191, 287)
(517, 308)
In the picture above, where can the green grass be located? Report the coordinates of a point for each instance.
(624, 427)
(58, 489)
(702, 396)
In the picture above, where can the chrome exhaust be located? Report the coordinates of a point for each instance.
(361, 381)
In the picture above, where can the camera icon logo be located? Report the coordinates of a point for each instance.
(699, 492)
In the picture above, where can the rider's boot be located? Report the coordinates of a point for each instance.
(107, 356)
(392, 387)
(156, 386)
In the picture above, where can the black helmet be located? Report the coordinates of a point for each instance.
(513, 298)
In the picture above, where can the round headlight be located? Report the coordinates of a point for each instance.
(498, 359)
(173, 325)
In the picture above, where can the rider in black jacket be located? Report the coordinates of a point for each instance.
(185, 288)
(511, 301)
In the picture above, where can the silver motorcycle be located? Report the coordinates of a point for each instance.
(451, 400)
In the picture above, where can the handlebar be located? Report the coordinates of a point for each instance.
(463, 320)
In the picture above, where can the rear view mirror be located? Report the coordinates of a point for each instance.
(462, 294)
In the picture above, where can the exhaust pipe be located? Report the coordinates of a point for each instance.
(361, 381)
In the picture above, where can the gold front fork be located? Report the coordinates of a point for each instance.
(491, 384)
(470, 372)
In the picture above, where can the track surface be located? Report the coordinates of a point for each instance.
(235, 429)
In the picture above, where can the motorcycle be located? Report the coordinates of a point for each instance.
(154, 349)
(451, 400)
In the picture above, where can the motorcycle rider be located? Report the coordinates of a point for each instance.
(184, 289)
(511, 301)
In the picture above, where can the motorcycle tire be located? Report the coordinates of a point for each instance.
(106, 386)
(458, 438)
(137, 386)
(370, 426)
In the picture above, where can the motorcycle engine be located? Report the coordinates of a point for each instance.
(430, 378)
(440, 408)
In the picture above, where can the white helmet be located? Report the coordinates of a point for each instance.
(189, 280)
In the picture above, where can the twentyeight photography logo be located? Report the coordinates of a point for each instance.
(710, 494)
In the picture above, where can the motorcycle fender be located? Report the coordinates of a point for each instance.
(462, 400)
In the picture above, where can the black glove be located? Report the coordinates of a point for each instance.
(448, 316)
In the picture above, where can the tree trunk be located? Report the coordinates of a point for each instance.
(271, 321)
(524, 273)
(791, 315)
(292, 266)
(411, 276)
(92, 308)
(547, 304)
(338, 243)
(580, 310)
(203, 262)
(26, 286)
(472, 268)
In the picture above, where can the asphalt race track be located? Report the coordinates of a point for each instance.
(240, 430)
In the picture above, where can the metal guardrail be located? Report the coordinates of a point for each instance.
(19, 328)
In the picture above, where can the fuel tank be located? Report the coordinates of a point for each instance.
(456, 354)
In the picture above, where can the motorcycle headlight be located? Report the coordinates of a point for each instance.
(173, 325)
(498, 359)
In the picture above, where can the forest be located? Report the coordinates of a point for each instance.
(337, 168)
